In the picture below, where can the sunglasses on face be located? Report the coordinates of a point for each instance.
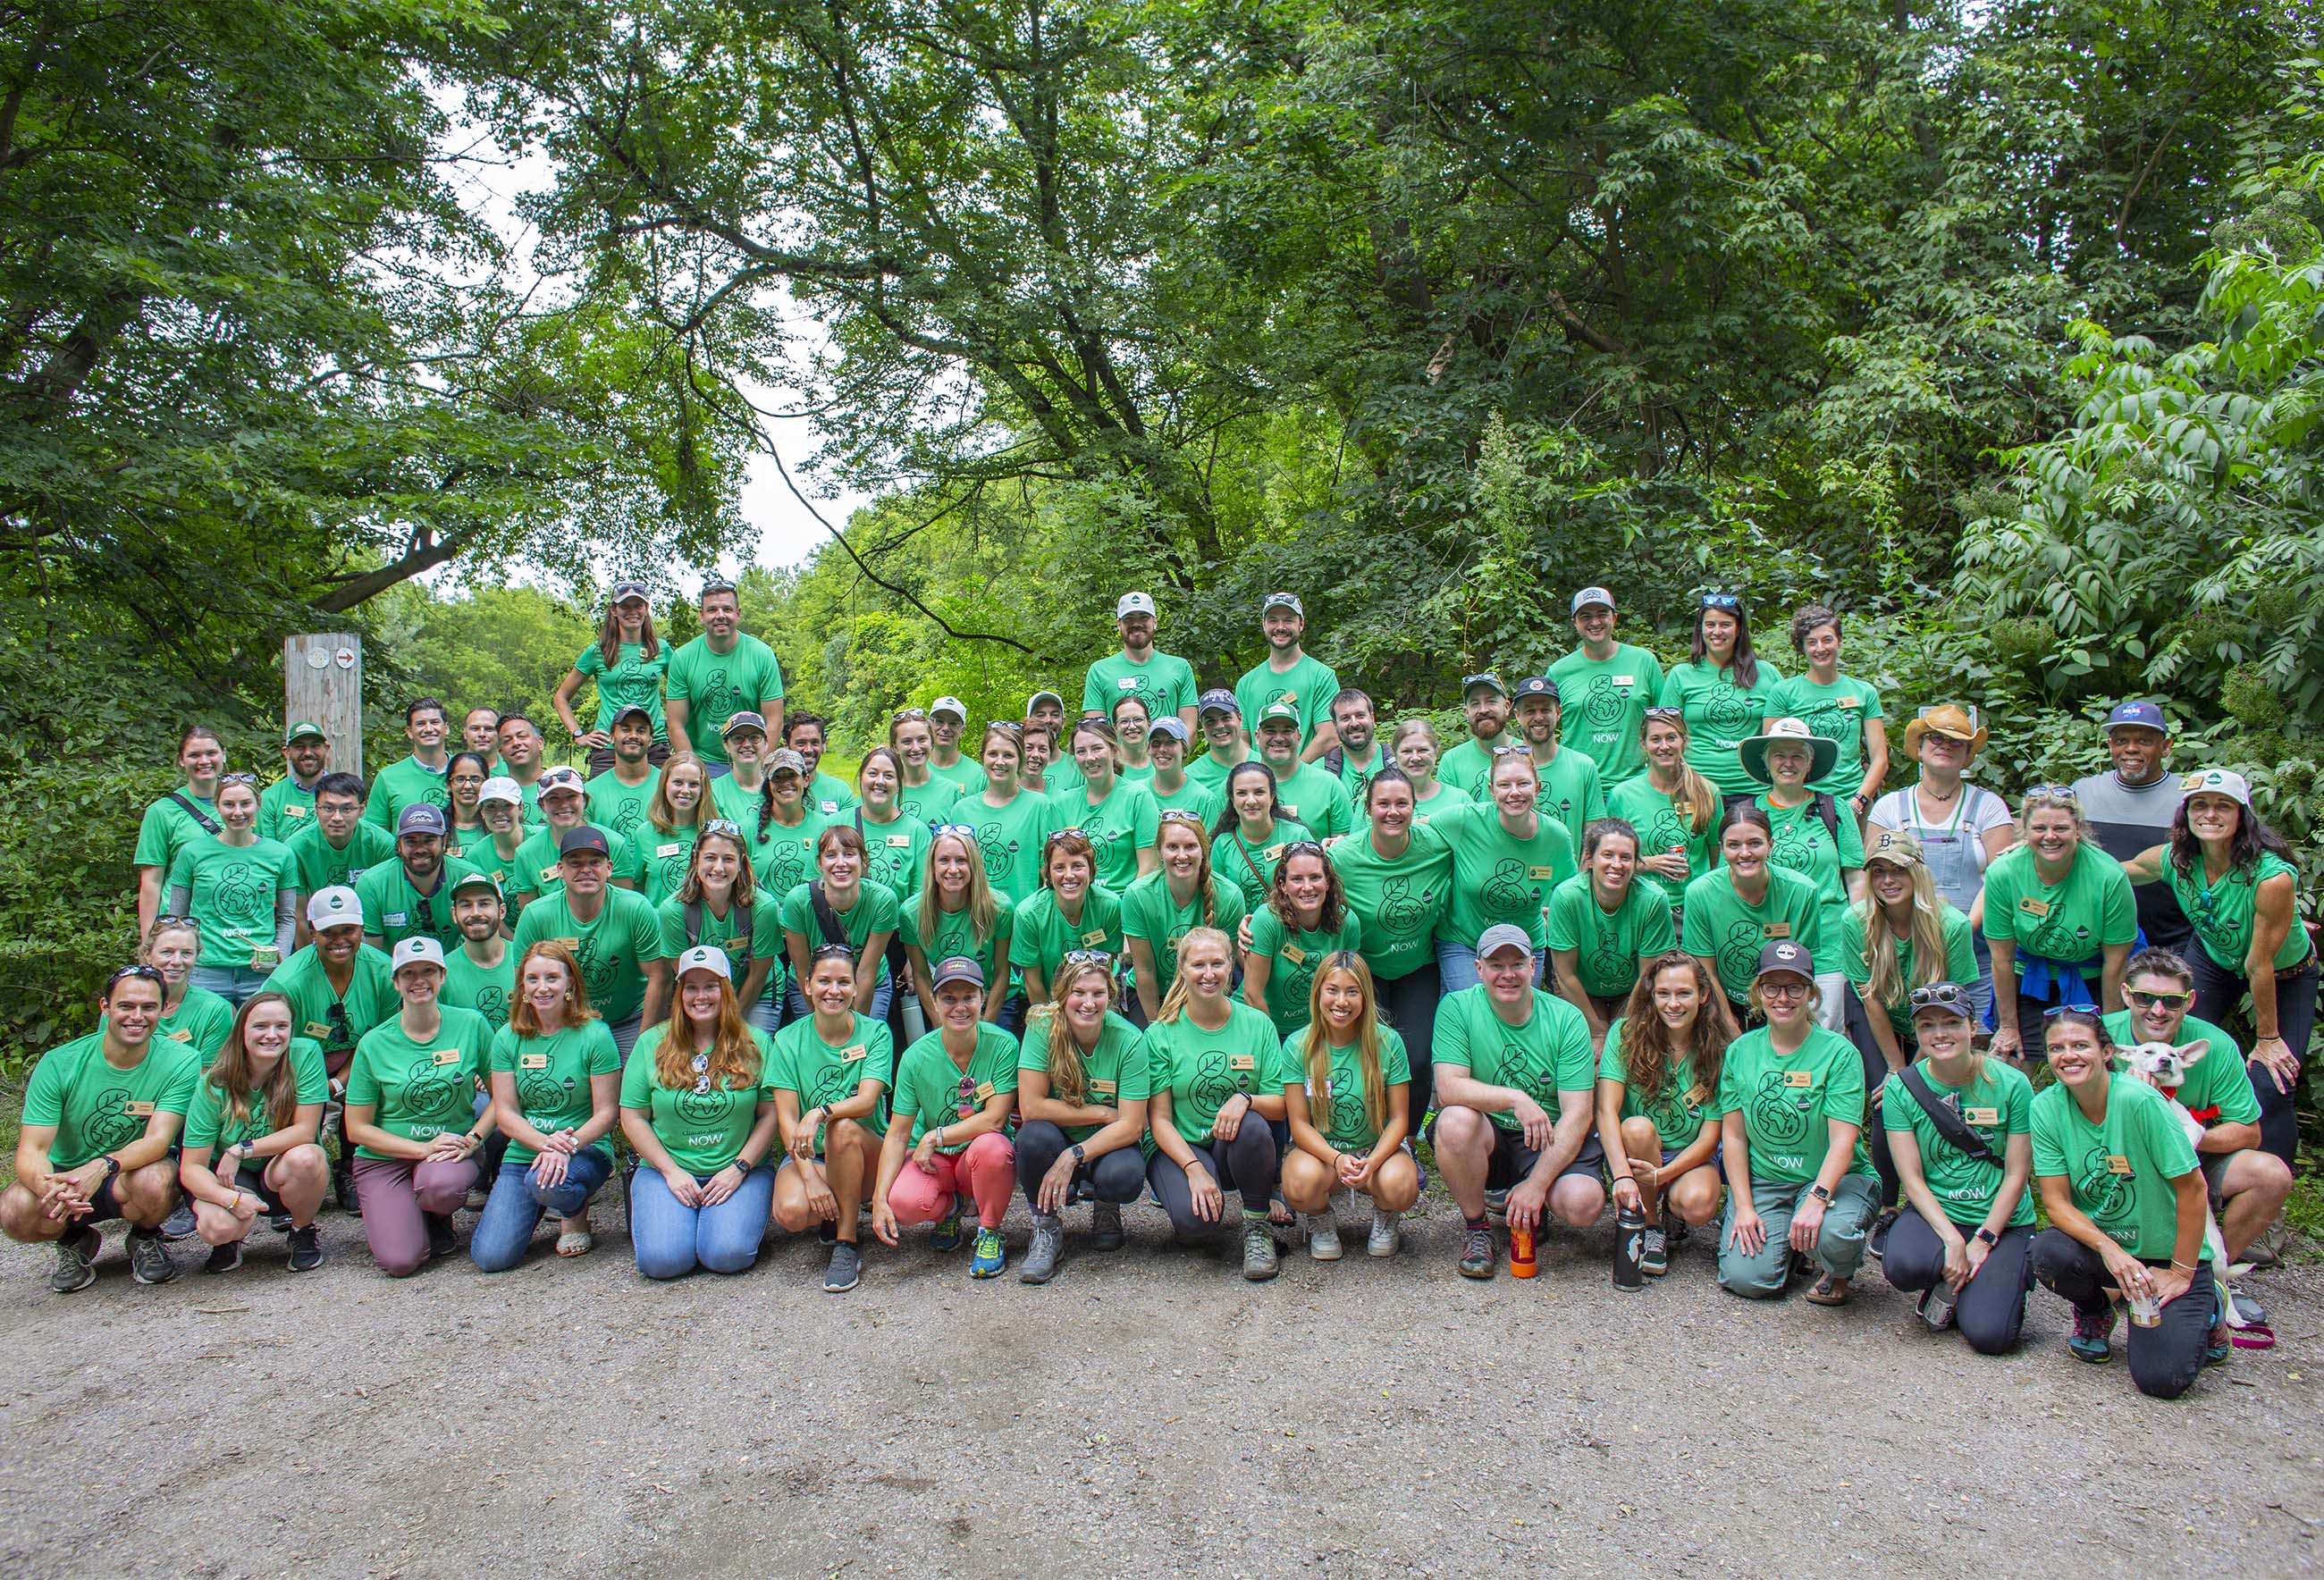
(2140, 999)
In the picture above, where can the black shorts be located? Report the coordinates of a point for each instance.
(104, 1206)
(252, 1177)
(1513, 1160)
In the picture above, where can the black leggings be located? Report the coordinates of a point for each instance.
(1992, 1310)
(1117, 1176)
(1876, 1072)
(1247, 1165)
(1408, 1002)
(2164, 1359)
(2219, 995)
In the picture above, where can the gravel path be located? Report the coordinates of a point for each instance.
(1147, 1414)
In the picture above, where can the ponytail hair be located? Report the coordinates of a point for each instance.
(1175, 1001)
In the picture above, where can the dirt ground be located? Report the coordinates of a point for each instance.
(1147, 1414)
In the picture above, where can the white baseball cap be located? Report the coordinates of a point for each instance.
(1134, 603)
(417, 951)
(336, 906)
(953, 705)
(562, 778)
(2223, 782)
(501, 788)
(706, 957)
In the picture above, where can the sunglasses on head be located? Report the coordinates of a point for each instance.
(143, 972)
(724, 825)
(968, 829)
(2057, 793)
(238, 778)
(1721, 600)
(1057, 834)
(2055, 1010)
(1661, 712)
(1180, 815)
(719, 585)
(903, 713)
(1301, 846)
(833, 951)
(1088, 957)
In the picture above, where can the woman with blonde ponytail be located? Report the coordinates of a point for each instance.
(1347, 1086)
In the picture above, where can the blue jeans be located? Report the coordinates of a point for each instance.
(672, 1240)
(503, 1233)
(882, 993)
(232, 983)
(766, 1014)
(625, 1033)
(1456, 967)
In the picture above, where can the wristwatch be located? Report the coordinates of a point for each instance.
(1820, 1194)
(1988, 1237)
(1080, 1155)
(112, 1165)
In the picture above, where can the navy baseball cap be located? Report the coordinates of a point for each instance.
(583, 839)
(420, 817)
(2143, 715)
(1537, 685)
(1219, 700)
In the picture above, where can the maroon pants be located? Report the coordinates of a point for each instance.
(398, 1196)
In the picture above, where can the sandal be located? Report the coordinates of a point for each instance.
(1828, 1291)
(576, 1242)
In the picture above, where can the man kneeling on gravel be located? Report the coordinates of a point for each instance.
(100, 1115)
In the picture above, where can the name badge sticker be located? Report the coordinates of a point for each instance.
(315, 1029)
(1127, 683)
(1274, 853)
(1982, 1115)
(851, 1052)
(899, 841)
(181, 1035)
(1696, 1094)
(1798, 1078)
(137, 1110)
(1092, 939)
(2117, 1164)
(984, 1091)
(398, 918)
(1851, 704)
(445, 1056)
(2033, 907)
(1775, 930)
(1295, 954)
(1540, 874)
(1624, 679)
(669, 849)
(532, 1062)
(1241, 1062)
(1103, 1089)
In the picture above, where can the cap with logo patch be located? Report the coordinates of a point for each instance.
(2137, 715)
(706, 957)
(2223, 782)
(1134, 603)
(421, 817)
(1783, 958)
(1590, 596)
(957, 969)
(416, 951)
(1278, 713)
(1218, 700)
(1536, 686)
(303, 730)
(1290, 601)
(336, 906)
(748, 719)
(583, 841)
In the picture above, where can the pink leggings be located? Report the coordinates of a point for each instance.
(394, 1194)
(989, 1164)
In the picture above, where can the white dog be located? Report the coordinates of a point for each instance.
(2164, 1067)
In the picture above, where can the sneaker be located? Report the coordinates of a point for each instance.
(1386, 1237)
(2222, 1343)
(1675, 1230)
(75, 1267)
(1477, 1253)
(826, 1232)
(2267, 1249)
(991, 1254)
(1324, 1238)
(1497, 1206)
(1259, 1262)
(179, 1224)
(1653, 1251)
(1937, 1308)
(343, 1185)
(945, 1235)
(1040, 1264)
(2091, 1329)
(477, 1196)
(1876, 1243)
(279, 1222)
(223, 1258)
(440, 1242)
(149, 1259)
(845, 1270)
(1105, 1228)
(306, 1250)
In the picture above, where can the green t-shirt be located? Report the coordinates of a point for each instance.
(931, 803)
(1165, 682)
(634, 680)
(1338, 1111)
(1201, 1070)
(486, 989)
(370, 998)
(898, 852)
(1678, 1112)
(166, 828)
(2120, 1170)
(1960, 958)
(1356, 778)
(408, 783)
(1787, 1102)
(620, 808)
(1547, 1054)
(1116, 1071)
(1497, 876)
(1208, 771)
(1119, 827)
(1308, 685)
(1608, 950)
(666, 856)
(1315, 799)
(552, 1078)
(927, 1082)
(765, 942)
(1202, 800)
(1836, 712)
(875, 911)
(1040, 936)
(539, 865)
(1147, 912)
(2218, 1089)
(420, 1090)
(1398, 901)
(1250, 867)
(1720, 716)
(822, 1075)
(782, 859)
(322, 865)
(210, 1123)
(97, 1108)
(2222, 912)
(202, 1020)
(613, 949)
(1570, 793)
(1293, 955)
(2071, 921)
(394, 910)
(1721, 928)
(1468, 766)
(1822, 856)
(1662, 827)
(1010, 839)
(1603, 707)
(702, 1124)
(284, 808)
(830, 796)
(231, 892)
(954, 934)
(715, 686)
(1441, 798)
(966, 775)
(1997, 1105)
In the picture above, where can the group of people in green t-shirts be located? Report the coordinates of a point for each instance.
(1646, 936)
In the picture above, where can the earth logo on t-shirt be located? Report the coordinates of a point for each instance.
(239, 897)
(1213, 1083)
(491, 1002)
(997, 850)
(536, 1090)
(1348, 1115)
(596, 970)
(1729, 711)
(1506, 891)
(2106, 1192)
(787, 866)
(1401, 912)
(1607, 960)
(1738, 956)
(428, 1090)
(627, 819)
(112, 1126)
(1604, 703)
(2054, 941)
(697, 1106)
(1531, 1072)
(1778, 1118)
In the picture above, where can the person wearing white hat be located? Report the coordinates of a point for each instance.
(1288, 674)
(697, 1107)
(1606, 687)
(1815, 836)
(416, 1114)
(628, 662)
(339, 989)
(947, 718)
(500, 803)
(564, 802)
(1164, 682)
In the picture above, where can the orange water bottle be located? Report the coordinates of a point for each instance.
(1521, 1258)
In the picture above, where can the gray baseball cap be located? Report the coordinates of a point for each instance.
(1503, 935)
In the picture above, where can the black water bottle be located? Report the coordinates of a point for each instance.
(1630, 1238)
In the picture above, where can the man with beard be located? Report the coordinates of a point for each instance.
(718, 675)
(1569, 789)
(289, 804)
(1467, 767)
(617, 797)
(2130, 808)
(481, 974)
(613, 934)
(411, 896)
(1359, 756)
(1164, 682)
(828, 795)
(1288, 674)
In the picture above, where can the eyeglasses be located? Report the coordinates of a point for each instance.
(724, 825)
(2140, 999)
(1721, 600)
(2055, 1010)
(237, 778)
(1088, 957)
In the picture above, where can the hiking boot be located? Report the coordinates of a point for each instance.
(343, 1187)
(1386, 1237)
(2091, 1329)
(440, 1242)
(1105, 1227)
(945, 1235)
(991, 1254)
(1653, 1251)
(1324, 1238)
(75, 1267)
(1478, 1254)
(149, 1258)
(179, 1224)
(1876, 1243)
(1258, 1259)
(1040, 1264)
(306, 1249)
(845, 1270)
(222, 1258)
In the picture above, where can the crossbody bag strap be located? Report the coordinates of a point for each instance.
(1950, 1124)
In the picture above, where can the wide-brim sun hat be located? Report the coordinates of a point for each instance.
(1823, 750)
(1951, 721)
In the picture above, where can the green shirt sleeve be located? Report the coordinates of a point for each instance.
(1450, 1040)
(1576, 1065)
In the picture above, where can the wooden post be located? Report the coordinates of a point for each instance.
(322, 681)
